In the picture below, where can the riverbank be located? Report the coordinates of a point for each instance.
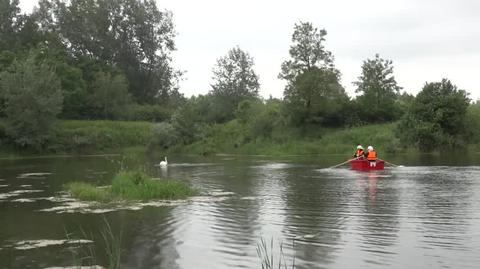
(126, 137)
(229, 138)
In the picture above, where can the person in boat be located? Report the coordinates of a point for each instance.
(359, 153)
(371, 156)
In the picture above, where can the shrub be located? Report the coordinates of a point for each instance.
(436, 117)
(152, 113)
(33, 98)
(164, 135)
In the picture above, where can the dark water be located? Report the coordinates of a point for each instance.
(426, 214)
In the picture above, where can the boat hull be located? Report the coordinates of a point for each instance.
(364, 165)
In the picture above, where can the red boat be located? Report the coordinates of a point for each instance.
(364, 165)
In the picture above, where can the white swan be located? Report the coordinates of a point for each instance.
(164, 163)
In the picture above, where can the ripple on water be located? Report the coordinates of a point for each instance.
(33, 175)
(41, 243)
(4, 196)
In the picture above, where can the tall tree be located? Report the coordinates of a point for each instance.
(378, 90)
(313, 93)
(316, 97)
(110, 96)
(234, 81)
(132, 35)
(33, 99)
(436, 118)
(307, 51)
(9, 12)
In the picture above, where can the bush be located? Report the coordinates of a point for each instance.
(164, 135)
(436, 117)
(152, 113)
(33, 99)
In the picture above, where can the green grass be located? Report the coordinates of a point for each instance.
(88, 192)
(95, 136)
(228, 138)
(131, 186)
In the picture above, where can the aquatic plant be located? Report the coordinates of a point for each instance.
(268, 260)
(138, 186)
(111, 244)
(88, 192)
(131, 185)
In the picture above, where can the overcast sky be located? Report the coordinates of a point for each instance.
(427, 40)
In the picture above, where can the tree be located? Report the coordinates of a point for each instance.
(9, 12)
(33, 99)
(473, 121)
(436, 118)
(307, 52)
(132, 35)
(378, 89)
(234, 81)
(313, 93)
(316, 97)
(110, 95)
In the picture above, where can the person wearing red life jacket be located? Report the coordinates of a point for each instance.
(359, 153)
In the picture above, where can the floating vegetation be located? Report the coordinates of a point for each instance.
(131, 186)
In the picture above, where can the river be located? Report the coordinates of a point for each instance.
(423, 214)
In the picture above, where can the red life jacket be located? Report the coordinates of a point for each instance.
(359, 153)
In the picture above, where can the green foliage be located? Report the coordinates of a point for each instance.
(152, 113)
(378, 89)
(306, 52)
(130, 34)
(75, 96)
(85, 136)
(237, 138)
(110, 95)
(9, 11)
(131, 186)
(473, 122)
(436, 119)
(138, 186)
(164, 135)
(33, 99)
(234, 81)
(316, 96)
(260, 119)
(87, 192)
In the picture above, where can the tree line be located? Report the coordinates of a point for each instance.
(111, 59)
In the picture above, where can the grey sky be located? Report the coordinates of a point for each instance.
(427, 40)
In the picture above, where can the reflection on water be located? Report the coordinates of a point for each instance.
(424, 214)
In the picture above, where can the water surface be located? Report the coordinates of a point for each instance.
(426, 214)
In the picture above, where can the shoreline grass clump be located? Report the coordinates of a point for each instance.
(131, 185)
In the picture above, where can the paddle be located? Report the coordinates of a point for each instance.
(335, 166)
(391, 163)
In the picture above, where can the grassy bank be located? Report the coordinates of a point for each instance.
(229, 138)
(99, 136)
(94, 137)
(131, 186)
